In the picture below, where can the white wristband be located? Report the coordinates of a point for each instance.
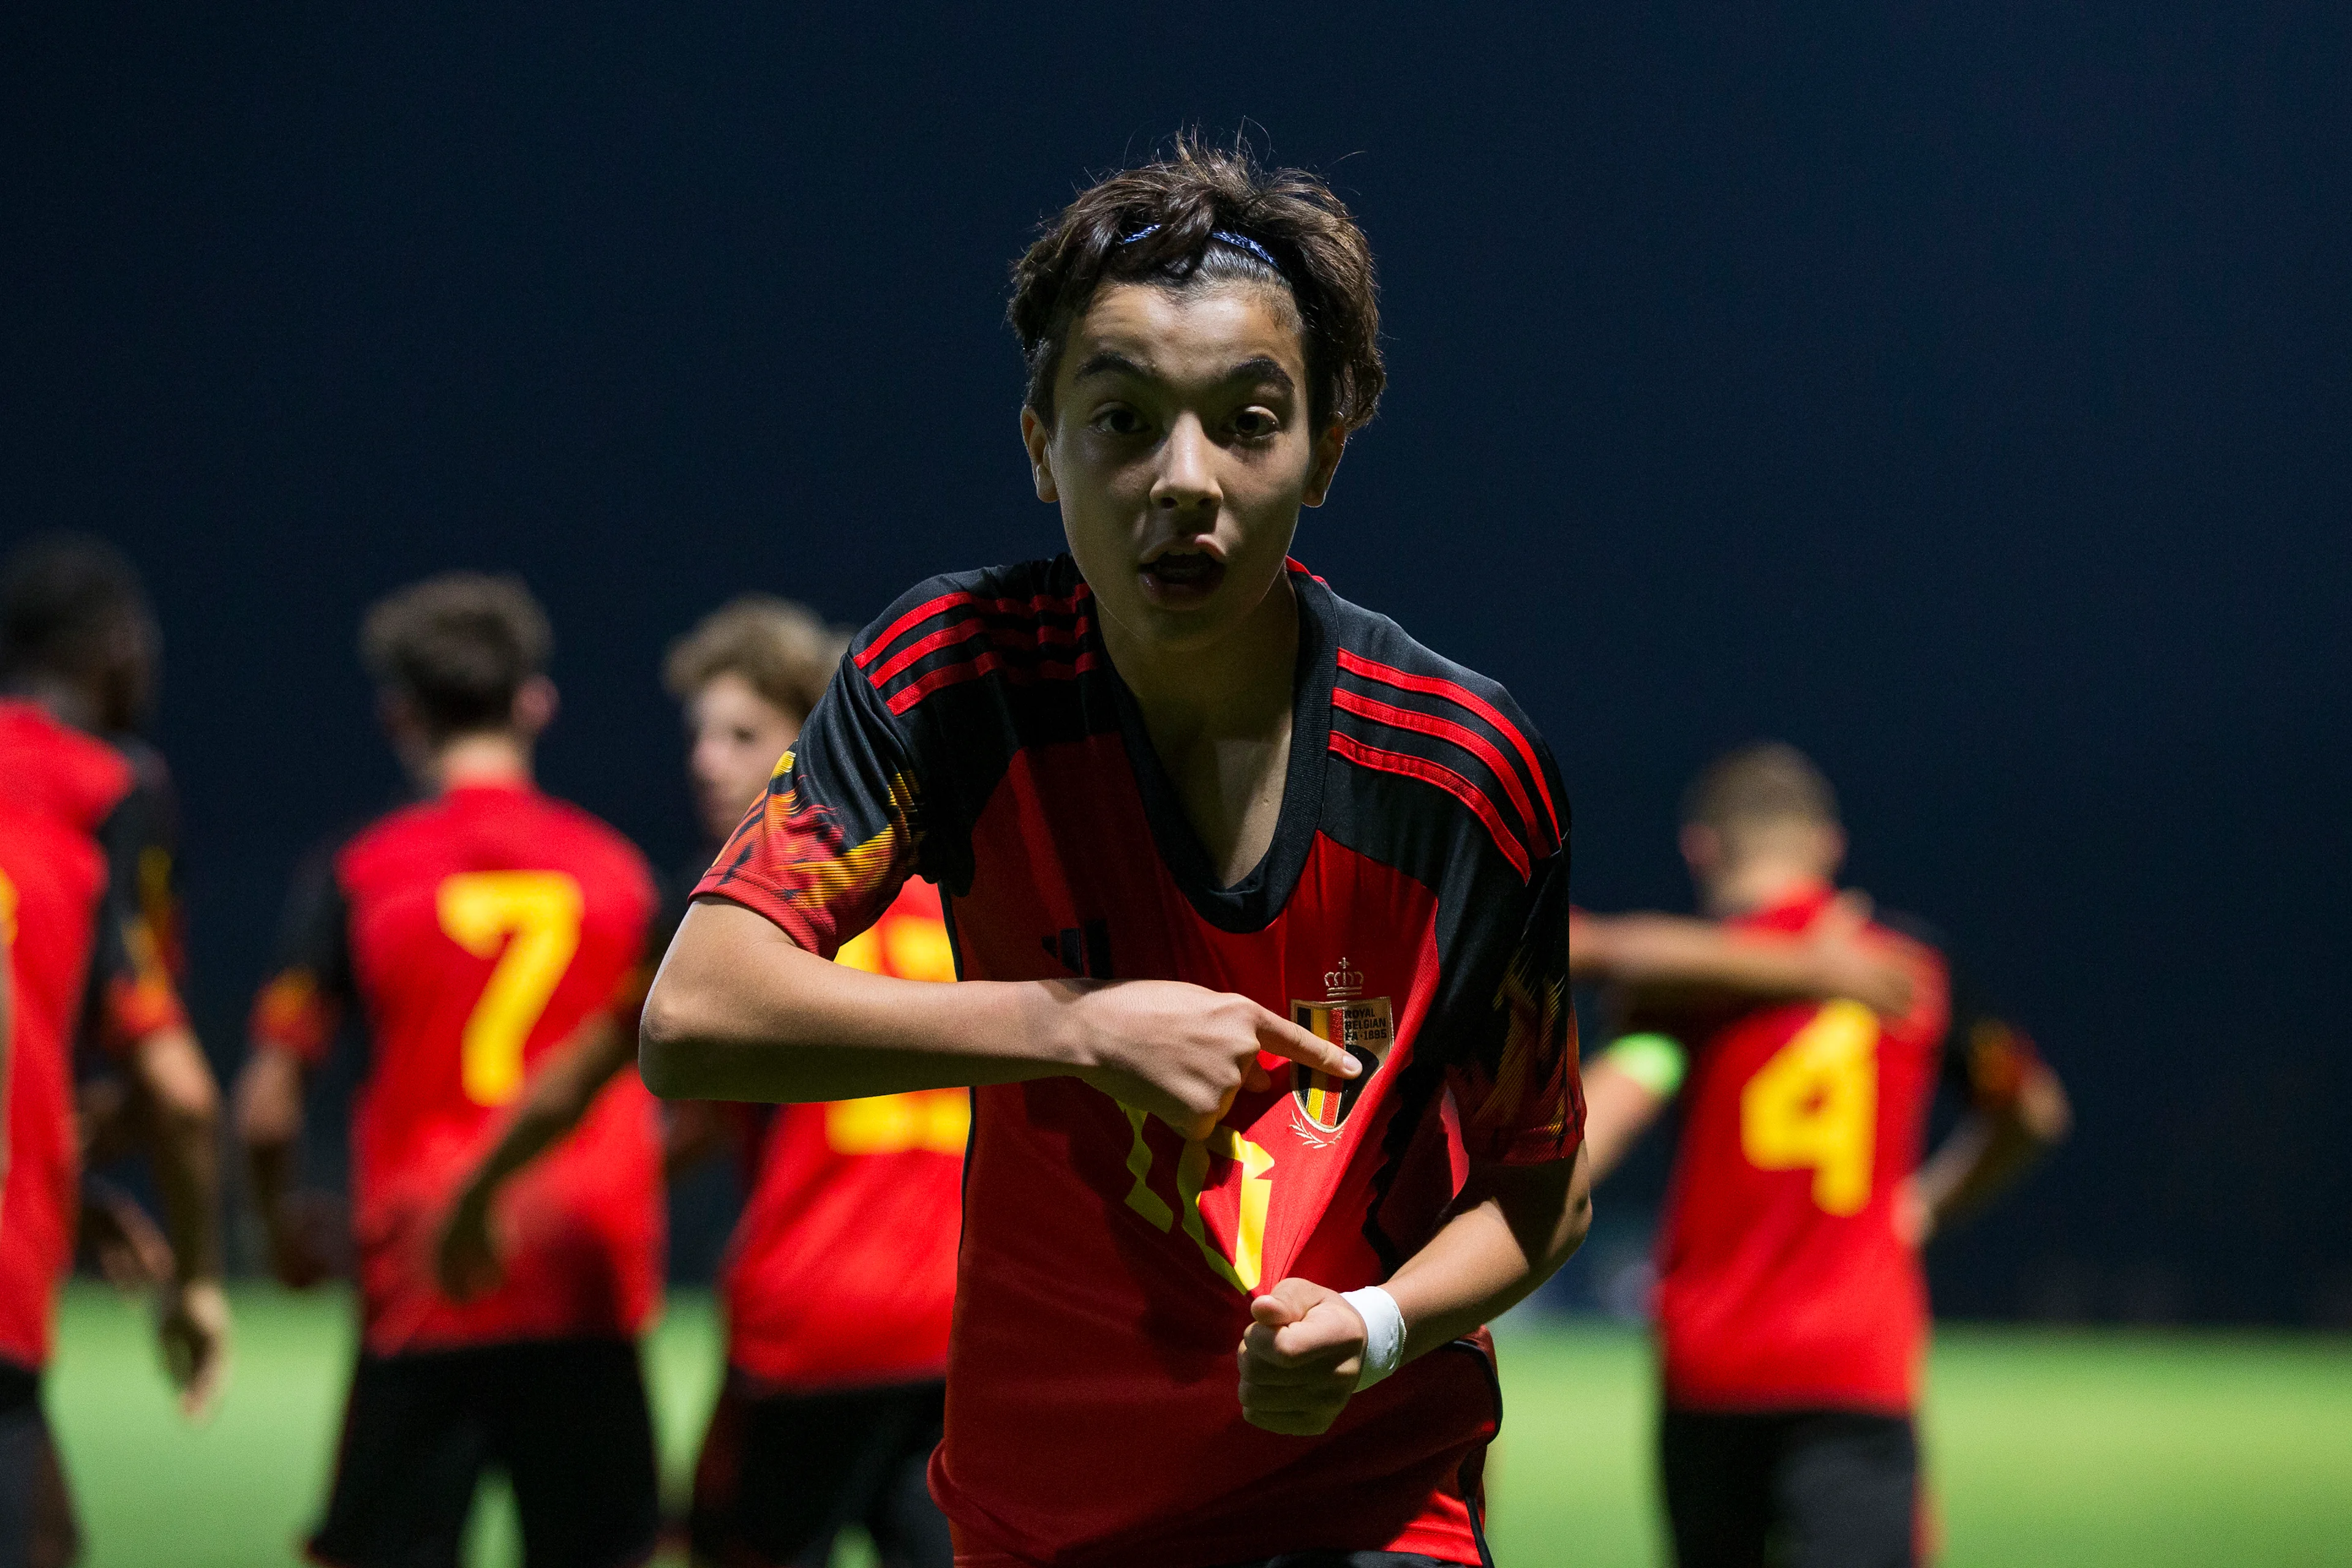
(1383, 1333)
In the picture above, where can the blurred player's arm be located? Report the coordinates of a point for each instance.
(142, 1023)
(293, 1026)
(1625, 1092)
(2019, 1112)
(741, 1011)
(1660, 953)
(466, 1256)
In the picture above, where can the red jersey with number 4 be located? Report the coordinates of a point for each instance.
(78, 948)
(842, 1273)
(1782, 1283)
(477, 931)
(1413, 905)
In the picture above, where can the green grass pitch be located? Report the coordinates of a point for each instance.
(2081, 1448)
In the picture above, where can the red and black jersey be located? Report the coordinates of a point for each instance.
(77, 946)
(1782, 1283)
(842, 1270)
(1413, 905)
(477, 932)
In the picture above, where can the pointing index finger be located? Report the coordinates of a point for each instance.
(1285, 1039)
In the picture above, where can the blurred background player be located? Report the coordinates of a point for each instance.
(1791, 1304)
(506, 1167)
(840, 1279)
(77, 645)
(114, 702)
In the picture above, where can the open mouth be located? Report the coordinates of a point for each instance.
(1179, 575)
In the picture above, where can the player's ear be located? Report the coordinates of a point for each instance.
(1330, 448)
(534, 707)
(1833, 849)
(1037, 436)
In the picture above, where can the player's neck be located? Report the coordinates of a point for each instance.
(1762, 884)
(1220, 720)
(1238, 685)
(491, 757)
(62, 700)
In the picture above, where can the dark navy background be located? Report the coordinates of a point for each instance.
(1960, 392)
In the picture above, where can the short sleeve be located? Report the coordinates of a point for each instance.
(302, 1006)
(132, 991)
(1522, 1102)
(841, 827)
(1987, 1059)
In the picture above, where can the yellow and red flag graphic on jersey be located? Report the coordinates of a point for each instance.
(1364, 1028)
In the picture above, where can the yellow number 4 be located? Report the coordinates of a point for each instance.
(529, 922)
(1814, 1106)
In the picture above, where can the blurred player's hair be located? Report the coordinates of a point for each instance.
(1165, 223)
(783, 651)
(1763, 786)
(458, 647)
(72, 609)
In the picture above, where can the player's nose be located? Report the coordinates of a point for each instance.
(1187, 479)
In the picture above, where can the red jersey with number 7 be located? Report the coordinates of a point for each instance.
(1412, 906)
(1782, 1283)
(476, 932)
(842, 1270)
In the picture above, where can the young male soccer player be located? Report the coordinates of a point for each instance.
(1791, 1305)
(73, 628)
(1261, 910)
(840, 1279)
(506, 1170)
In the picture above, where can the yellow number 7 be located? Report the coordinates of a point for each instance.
(529, 922)
(1814, 1106)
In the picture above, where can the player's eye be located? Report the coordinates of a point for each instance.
(1118, 419)
(1255, 424)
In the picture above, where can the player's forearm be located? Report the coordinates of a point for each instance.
(1510, 1231)
(1984, 1155)
(269, 1124)
(558, 1096)
(740, 1012)
(1619, 1107)
(186, 1149)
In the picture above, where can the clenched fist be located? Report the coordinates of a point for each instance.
(1300, 1358)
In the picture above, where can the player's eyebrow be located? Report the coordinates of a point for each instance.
(1110, 361)
(1263, 368)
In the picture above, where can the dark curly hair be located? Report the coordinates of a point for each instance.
(1163, 224)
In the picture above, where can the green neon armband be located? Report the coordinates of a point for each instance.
(1656, 1062)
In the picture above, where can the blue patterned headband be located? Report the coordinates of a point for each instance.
(1223, 236)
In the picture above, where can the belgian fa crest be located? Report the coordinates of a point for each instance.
(1361, 1026)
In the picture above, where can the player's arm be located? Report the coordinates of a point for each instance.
(1661, 952)
(143, 1022)
(1625, 1092)
(560, 1093)
(741, 1011)
(2019, 1113)
(293, 1026)
(1304, 1355)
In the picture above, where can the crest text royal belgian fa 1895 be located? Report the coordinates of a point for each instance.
(1363, 1026)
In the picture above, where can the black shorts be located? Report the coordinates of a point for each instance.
(1798, 1488)
(565, 1419)
(37, 1520)
(783, 1474)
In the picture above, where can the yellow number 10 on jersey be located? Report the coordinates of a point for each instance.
(1814, 1106)
(529, 922)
